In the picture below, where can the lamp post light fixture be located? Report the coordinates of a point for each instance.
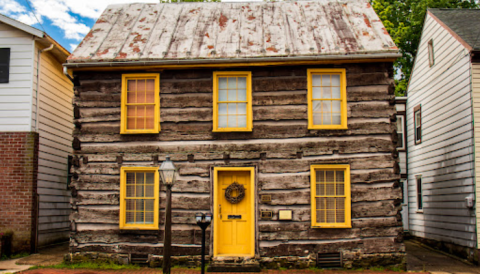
(168, 172)
(203, 221)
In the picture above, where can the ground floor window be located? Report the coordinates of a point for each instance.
(330, 189)
(139, 190)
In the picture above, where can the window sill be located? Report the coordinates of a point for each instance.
(419, 211)
(328, 128)
(139, 132)
(331, 226)
(232, 130)
(143, 228)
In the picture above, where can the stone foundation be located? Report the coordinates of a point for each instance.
(351, 259)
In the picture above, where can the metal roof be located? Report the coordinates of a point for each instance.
(464, 22)
(234, 31)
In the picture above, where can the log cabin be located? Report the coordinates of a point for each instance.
(293, 101)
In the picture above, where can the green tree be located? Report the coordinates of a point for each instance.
(403, 19)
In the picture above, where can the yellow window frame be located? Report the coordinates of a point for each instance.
(123, 120)
(313, 189)
(343, 98)
(123, 193)
(248, 75)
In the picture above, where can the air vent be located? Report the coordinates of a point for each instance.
(139, 259)
(329, 260)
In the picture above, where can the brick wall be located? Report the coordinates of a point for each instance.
(18, 185)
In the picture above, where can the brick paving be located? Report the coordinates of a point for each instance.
(193, 271)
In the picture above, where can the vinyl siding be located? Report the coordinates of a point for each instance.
(55, 129)
(476, 113)
(445, 158)
(16, 96)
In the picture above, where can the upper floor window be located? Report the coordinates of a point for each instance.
(4, 65)
(417, 116)
(431, 55)
(232, 101)
(400, 132)
(330, 190)
(327, 99)
(140, 103)
(139, 202)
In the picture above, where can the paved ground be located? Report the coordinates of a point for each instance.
(420, 258)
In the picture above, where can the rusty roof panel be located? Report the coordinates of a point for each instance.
(189, 31)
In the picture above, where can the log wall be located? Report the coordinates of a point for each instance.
(281, 147)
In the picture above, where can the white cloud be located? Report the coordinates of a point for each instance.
(10, 6)
(73, 47)
(27, 18)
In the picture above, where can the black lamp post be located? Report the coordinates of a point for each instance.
(203, 221)
(168, 172)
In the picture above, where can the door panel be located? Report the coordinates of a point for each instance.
(234, 221)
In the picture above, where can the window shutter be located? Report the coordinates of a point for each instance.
(4, 65)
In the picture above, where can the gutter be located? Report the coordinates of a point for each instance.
(232, 61)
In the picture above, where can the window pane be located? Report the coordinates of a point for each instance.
(141, 85)
(150, 119)
(139, 217)
(242, 121)
(131, 85)
(130, 217)
(330, 204)
(131, 97)
(336, 119)
(339, 176)
(130, 178)
(336, 92)
(316, 80)
(242, 82)
(336, 80)
(150, 97)
(149, 218)
(222, 121)
(130, 191)
(321, 203)
(326, 92)
(232, 82)
(330, 216)
(326, 118)
(131, 117)
(222, 82)
(149, 205)
(242, 108)
(242, 95)
(232, 95)
(222, 95)
(317, 106)
(140, 190)
(336, 106)
(330, 176)
(320, 189)
(326, 80)
(232, 109)
(317, 118)
(320, 216)
(316, 93)
(320, 176)
(232, 121)
(400, 140)
(222, 108)
(150, 178)
(399, 124)
(330, 189)
(130, 205)
(150, 85)
(340, 189)
(326, 106)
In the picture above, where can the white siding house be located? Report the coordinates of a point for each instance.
(37, 98)
(440, 134)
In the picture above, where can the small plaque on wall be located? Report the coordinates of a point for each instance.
(266, 199)
(266, 214)
(285, 215)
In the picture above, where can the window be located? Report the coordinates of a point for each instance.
(232, 101)
(431, 56)
(139, 188)
(327, 99)
(330, 192)
(419, 193)
(140, 103)
(400, 132)
(4, 65)
(417, 116)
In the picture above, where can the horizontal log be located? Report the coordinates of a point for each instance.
(96, 215)
(375, 209)
(185, 235)
(330, 234)
(97, 182)
(260, 113)
(376, 222)
(242, 149)
(365, 246)
(97, 198)
(190, 202)
(110, 131)
(367, 194)
(176, 250)
(295, 181)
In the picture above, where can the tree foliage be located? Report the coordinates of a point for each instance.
(404, 19)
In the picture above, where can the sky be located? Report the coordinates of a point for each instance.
(66, 21)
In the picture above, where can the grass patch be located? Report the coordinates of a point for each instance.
(90, 265)
(15, 256)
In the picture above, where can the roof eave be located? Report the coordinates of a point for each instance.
(186, 62)
(19, 25)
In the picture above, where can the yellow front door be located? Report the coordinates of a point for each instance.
(234, 223)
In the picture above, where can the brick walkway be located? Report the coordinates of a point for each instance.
(191, 271)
